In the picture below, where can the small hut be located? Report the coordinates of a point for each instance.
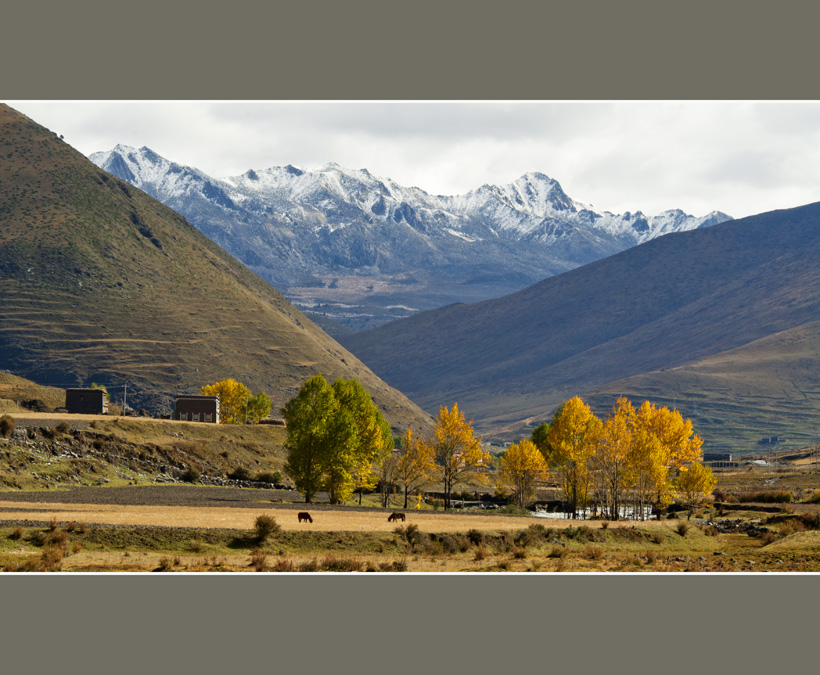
(86, 401)
(197, 409)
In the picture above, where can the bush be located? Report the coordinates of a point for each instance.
(259, 561)
(333, 564)
(813, 499)
(682, 529)
(190, 475)
(269, 477)
(63, 427)
(6, 426)
(476, 537)
(240, 473)
(265, 526)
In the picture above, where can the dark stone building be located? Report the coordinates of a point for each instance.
(86, 401)
(197, 409)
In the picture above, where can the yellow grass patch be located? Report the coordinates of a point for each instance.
(336, 520)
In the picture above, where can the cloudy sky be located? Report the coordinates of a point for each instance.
(738, 157)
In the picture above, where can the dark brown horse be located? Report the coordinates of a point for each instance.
(304, 515)
(395, 516)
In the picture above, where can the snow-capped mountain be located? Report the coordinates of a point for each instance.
(363, 250)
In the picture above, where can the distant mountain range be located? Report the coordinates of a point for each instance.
(99, 282)
(362, 250)
(722, 323)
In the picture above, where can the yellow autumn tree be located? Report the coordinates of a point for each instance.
(416, 465)
(572, 438)
(456, 450)
(522, 467)
(613, 474)
(236, 403)
(663, 440)
(695, 482)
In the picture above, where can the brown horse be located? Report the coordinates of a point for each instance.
(395, 516)
(304, 515)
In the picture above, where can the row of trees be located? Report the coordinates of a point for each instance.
(635, 457)
(338, 442)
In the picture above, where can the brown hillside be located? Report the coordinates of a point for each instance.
(671, 302)
(99, 282)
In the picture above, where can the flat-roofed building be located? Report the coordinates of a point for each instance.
(86, 401)
(197, 409)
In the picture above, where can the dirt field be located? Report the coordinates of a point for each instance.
(234, 508)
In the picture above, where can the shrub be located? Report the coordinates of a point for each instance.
(259, 561)
(165, 565)
(480, 552)
(63, 427)
(557, 552)
(682, 528)
(6, 426)
(265, 526)
(190, 475)
(307, 566)
(240, 473)
(519, 553)
(333, 564)
(269, 477)
(51, 558)
(814, 499)
(594, 552)
(17, 534)
(476, 537)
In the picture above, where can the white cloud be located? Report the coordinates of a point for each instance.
(738, 157)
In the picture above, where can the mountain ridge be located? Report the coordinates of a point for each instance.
(365, 250)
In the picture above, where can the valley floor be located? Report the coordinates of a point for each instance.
(115, 529)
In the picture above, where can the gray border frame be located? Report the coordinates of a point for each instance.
(424, 50)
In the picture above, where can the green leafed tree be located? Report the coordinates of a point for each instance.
(309, 419)
(335, 435)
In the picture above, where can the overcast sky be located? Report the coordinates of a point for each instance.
(738, 157)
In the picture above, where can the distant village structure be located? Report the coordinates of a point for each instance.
(86, 401)
(197, 409)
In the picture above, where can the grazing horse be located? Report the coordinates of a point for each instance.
(304, 515)
(395, 516)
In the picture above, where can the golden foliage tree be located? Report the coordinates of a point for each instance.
(521, 468)
(695, 482)
(611, 460)
(572, 439)
(236, 403)
(663, 440)
(416, 465)
(456, 450)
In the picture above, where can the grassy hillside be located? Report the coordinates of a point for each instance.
(60, 451)
(672, 302)
(99, 282)
(15, 390)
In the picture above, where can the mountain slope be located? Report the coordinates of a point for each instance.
(98, 281)
(672, 301)
(364, 250)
